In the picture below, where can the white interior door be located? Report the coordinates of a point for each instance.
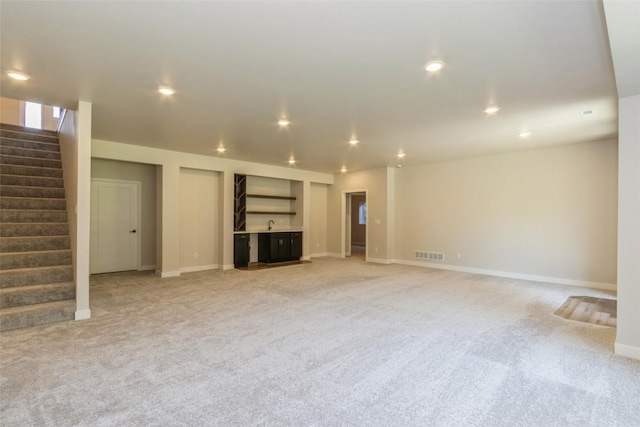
(115, 210)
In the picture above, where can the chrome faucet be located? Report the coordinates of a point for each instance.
(271, 222)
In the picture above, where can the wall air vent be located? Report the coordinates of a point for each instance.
(429, 256)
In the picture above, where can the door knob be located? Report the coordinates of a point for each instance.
(132, 231)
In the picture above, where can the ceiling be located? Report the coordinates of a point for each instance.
(334, 69)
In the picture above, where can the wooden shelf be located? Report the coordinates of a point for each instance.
(262, 196)
(269, 213)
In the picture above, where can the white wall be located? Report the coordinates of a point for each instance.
(628, 337)
(168, 194)
(75, 147)
(199, 240)
(11, 111)
(549, 213)
(318, 226)
(146, 175)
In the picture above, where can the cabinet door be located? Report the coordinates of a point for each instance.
(241, 250)
(296, 246)
(280, 246)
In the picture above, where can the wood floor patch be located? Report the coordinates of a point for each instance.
(599, 311)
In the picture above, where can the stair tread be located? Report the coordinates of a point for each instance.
(45, 236)
(37, 307)
(27, 129)
(35, 252)
(25, 157)
(31, 166)
(30, 149)
(14, 271)
(11, 138)
(36, 287)
(35, 198)
(32, 223)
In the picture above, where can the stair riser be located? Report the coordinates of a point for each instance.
(28, 152)
(42, 294)
(31, 181)
(48, 193)
(26, 203)
(28, 136)
(21, 143)
(32, 216)
(10, 321)
(39, 243)
(37, 229)
(31, 171)
(10, 261)
(13, 278)
(28, 161)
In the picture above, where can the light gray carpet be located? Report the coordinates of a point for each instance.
(331, 343)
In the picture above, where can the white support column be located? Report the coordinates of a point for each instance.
(83, 210)
(225, 194)
(628, 336)
(169, 205)
(306, 220)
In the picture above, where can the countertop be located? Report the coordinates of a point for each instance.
(267, 231)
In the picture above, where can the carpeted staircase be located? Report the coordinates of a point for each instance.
(36, 274)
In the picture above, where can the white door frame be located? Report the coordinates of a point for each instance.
(138, 184)
(345, 223)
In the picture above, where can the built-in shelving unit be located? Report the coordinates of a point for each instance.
(240, 203)
(263, 196)
(268, 213)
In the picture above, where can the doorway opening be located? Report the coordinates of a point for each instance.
(355, 224)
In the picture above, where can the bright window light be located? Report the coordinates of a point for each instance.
(362, 213)
(33, 115)
(56, 112)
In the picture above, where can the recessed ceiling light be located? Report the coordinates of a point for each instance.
(492, 109)
(166, 90)
(17, 75)
(524, 134)
(221, 149)
(353, 141)
(433, 66)
(284, 122)
(398, 165)
(344, 169)
(401, 155)
(292, 161)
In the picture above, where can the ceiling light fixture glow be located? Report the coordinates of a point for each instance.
(292, 161)
(492, 109)
(284, 122)
(433, 66)
(401, 155)
(17, 75)
(353, 141)
(524, 134)
(166, 90)
(221, 149)
(344, 169)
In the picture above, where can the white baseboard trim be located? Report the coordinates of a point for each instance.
(164, 274)
(147, 267)
(318, 255)
(627, 351)
(83, 314)
(510, 275)
(333, 254)
(380, 260)
(306, 258)
(228, 267)
(199, 268)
